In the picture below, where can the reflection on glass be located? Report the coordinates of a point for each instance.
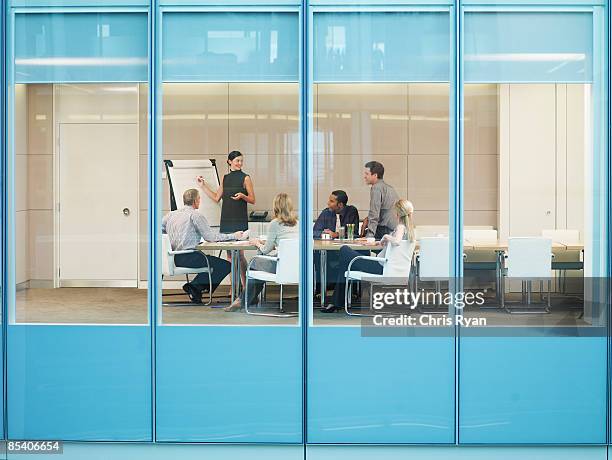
(381, 153)
(80, 203)
(375, 46)
(257, 46)
(231, 161)
(528, 151)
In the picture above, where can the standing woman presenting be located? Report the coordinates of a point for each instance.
(236, 191)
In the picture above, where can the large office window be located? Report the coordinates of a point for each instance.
(533, 231)
(230, 254)
(380, 140)
(80, 161)
(230, 114)
(203, 124)
(382, 101)
(77, 187)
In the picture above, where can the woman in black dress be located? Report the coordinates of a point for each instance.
(236, 191)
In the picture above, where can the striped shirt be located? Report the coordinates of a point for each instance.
(186, 227)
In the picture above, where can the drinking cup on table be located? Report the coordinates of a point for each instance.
(325, 236)
(341, 233)
(350, 231)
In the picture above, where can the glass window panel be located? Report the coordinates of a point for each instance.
(381, 47)
(405, 127)
(205, 121)
(528, 47)
(230, 47)
(531, 169)
(81, 203)
(101, 47)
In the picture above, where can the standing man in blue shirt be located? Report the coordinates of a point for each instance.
(337, 214)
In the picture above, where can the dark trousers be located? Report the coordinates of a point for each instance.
(256, 286)
(220, 268)
(346, 255)
(381, 231)
(332, 267)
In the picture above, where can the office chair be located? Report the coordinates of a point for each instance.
(287, 273)
(397, 264)
(528, 259)
(170, 269)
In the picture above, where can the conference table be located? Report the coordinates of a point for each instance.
(499, 247)
(234, 248)
(324, 246)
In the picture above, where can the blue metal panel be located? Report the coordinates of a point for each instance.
(77, 3)
(79, 383)
(225, 3)
(3, 220)
(528, 47)
(380, 389)
(132, 451)
(80, 47)
(390, 46)
(540, 390)
(370, 3)
(453, 453)
(2, 406)
(532, 4)
(229, 384)
(211, 46)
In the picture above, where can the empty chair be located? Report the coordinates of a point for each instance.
(476, 256)
(565, 259)
(397, 264)
(480, 235)
(528, 259)
(426, 231)
(480, 258)
(287, 272)
(170, 269)
(433, 259)
(433, 262)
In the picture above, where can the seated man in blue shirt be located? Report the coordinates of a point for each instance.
(338, 211)
(186, 227)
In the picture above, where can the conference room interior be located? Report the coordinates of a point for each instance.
(527, 162)
(526, 156)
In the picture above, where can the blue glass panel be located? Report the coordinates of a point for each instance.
(80, 47)
(379, 389)
(85, 383)
(539, 390)
(381, 47)
(84, 3)
(229, 384)
(528, 47)
(230, 47)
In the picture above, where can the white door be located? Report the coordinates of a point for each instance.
(98, 204)
(532, 172)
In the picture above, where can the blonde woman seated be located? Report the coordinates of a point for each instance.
(404, 231)
(283, 226)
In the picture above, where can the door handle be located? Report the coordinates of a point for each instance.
(126, 211)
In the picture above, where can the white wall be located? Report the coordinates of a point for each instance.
(542, 154)
(34, 157)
